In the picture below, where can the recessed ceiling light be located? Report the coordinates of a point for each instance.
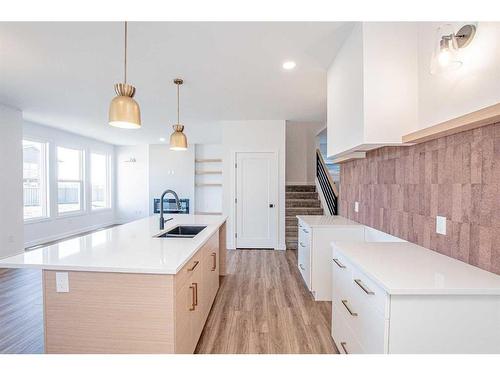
(162, 139)
(289, 65)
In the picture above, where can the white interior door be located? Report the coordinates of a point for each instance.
(256, 200)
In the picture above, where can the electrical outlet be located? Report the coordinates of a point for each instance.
(62, 282)
(356, 206)
(441, 225)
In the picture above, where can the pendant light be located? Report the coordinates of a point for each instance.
(178, 140)
(124, 112)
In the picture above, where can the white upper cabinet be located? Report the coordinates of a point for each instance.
(373, 88)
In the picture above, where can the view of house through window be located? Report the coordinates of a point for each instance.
(99, 180)
(69, 180)
(34, 180)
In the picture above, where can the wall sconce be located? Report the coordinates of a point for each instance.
(445, 56)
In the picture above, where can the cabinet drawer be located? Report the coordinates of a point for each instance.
(343, 336)
(368, 325)
(304, 262)
(366, 292)
(341, 277)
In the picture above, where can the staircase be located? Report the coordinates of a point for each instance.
(300, 200)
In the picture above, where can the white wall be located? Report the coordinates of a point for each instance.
(472, 87)
(171, 170)
(56, 227)
(301, 152)
(132, 182)
(345, 111)
(11, 182)
(252, 136)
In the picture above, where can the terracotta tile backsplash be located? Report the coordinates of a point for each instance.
(400, 191)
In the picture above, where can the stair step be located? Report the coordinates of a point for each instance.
(291, 229)
(303, 203)
(291, 245)
(302, 188)
(301, 195)
(303, 211)
(291, 220)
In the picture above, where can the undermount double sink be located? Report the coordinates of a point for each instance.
(182, 231)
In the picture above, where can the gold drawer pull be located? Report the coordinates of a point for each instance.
(195, 264)
(193, 296)
(344, 302)
(363, 286)
(344, 344)
(214, 266)
(337, 262)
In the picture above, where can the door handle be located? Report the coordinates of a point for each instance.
(214, 266)
(344, 302)
(344, 344)
(271, 205)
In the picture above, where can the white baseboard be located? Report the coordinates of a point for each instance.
(59, 236)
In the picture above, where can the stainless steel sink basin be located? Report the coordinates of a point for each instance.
(183, 231)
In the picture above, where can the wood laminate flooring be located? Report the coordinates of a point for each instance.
(21, 311)
(262, 306)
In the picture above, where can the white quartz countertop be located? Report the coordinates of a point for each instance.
(406, 268)
(130, 248)
(326, 221)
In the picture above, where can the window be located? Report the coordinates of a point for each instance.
(69, 180)
(99, 179)
(35, 180)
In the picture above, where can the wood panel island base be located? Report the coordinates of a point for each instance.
(130, 311)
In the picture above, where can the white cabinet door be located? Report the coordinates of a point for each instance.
(256, 200)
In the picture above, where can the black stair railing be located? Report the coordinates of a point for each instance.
(327, 184)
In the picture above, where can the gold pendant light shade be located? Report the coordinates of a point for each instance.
(178, 140)
(124, 112)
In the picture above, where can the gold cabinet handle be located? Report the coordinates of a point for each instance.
(195, 264)
(337, 262)
(363, 286)
(214, 266)
(344, 302)
(344, 344)
(193, 296)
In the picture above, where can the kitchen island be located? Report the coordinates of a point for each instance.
(125, 290)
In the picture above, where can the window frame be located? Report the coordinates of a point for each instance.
(108, 181)
(44, 180)
(82, 182)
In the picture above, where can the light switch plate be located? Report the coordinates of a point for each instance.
(62, 282)
(441, 225)
(356, 206)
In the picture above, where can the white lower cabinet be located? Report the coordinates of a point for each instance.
(367, 318)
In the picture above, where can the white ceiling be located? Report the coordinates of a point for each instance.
(62, 74)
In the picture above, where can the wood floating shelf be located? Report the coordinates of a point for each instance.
(201, 184)
(354, 155)
(485, 116)
(208, 172)
(208, 160)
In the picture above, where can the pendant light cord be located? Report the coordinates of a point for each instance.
(178, 122)
(125, 59)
